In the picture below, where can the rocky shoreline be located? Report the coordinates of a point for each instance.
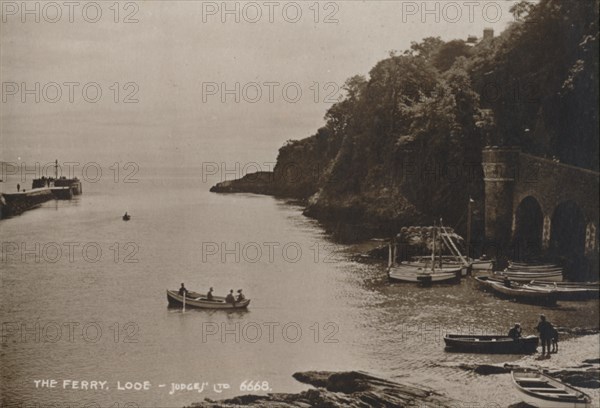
(576, 363)
(352, 389)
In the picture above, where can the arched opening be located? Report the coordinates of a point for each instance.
(529, 224)
(567, 239)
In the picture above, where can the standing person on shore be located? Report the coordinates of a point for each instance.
(545, 329)
(554, 340)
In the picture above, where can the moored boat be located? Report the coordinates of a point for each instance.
(543, 391)
(518, 292)
(521, 276)
(418, 274)
(491, 344)
(424, 271)
(196, 300)
(567, 290)
(481, 265)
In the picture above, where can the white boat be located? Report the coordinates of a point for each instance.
(422, 271)
(568, 290)
(481, 265)
(543, 391)
(416, 274)
(554, 276)
(518, 292)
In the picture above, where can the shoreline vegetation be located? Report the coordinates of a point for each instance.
(404, 145)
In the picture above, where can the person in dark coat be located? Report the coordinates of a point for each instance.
(545, 329)
(209, 295)
(230, 298)
(515, 332)
(183, 290)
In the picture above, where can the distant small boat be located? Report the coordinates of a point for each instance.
(491, 344)
(542, 391)
(199, 301)
(126, 217)
(518, 292)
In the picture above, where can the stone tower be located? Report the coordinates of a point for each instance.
(501, 172)
(488, 34)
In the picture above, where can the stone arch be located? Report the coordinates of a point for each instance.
(528, 237)
(568, 239)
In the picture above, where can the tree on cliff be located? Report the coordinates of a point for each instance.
(437, 104)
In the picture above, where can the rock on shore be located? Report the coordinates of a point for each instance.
(353, 389)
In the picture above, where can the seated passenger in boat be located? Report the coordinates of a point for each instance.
(183, 290)
(240, 296)
(230, 298)
(515, 332)
(209, 295)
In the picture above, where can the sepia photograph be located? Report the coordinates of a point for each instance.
(299, 204)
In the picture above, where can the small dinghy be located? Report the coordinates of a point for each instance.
(126, 217)
(491, 344)
(196, 300)
(416, 274)
(425, 270)
(527, 276)
(518, 292)
(543, 391)
(567, 290)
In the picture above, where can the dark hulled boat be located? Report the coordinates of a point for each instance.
(491, 344)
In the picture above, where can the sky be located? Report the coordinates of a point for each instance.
(182, 83)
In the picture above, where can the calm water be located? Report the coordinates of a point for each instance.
(115, 325)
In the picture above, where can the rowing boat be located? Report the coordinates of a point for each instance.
(492, 344)
(481, 265)
(199, 301)
(519, 276)
(418, 274)
(518, 292)
(422, 271)
(567, 290)
(542, 391)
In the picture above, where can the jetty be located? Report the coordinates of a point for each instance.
(42, 189)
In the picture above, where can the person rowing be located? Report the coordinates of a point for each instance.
(240, 296)
(209, 295)
(183, 290)
(230, 298)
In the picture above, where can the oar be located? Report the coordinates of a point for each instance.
(183, 302)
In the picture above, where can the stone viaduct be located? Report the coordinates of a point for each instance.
(542, 209)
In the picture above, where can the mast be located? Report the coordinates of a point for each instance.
(469, 211)
(441, 246)
(433, 248)
(56, 169)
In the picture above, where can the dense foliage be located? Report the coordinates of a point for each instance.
(405, 144)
